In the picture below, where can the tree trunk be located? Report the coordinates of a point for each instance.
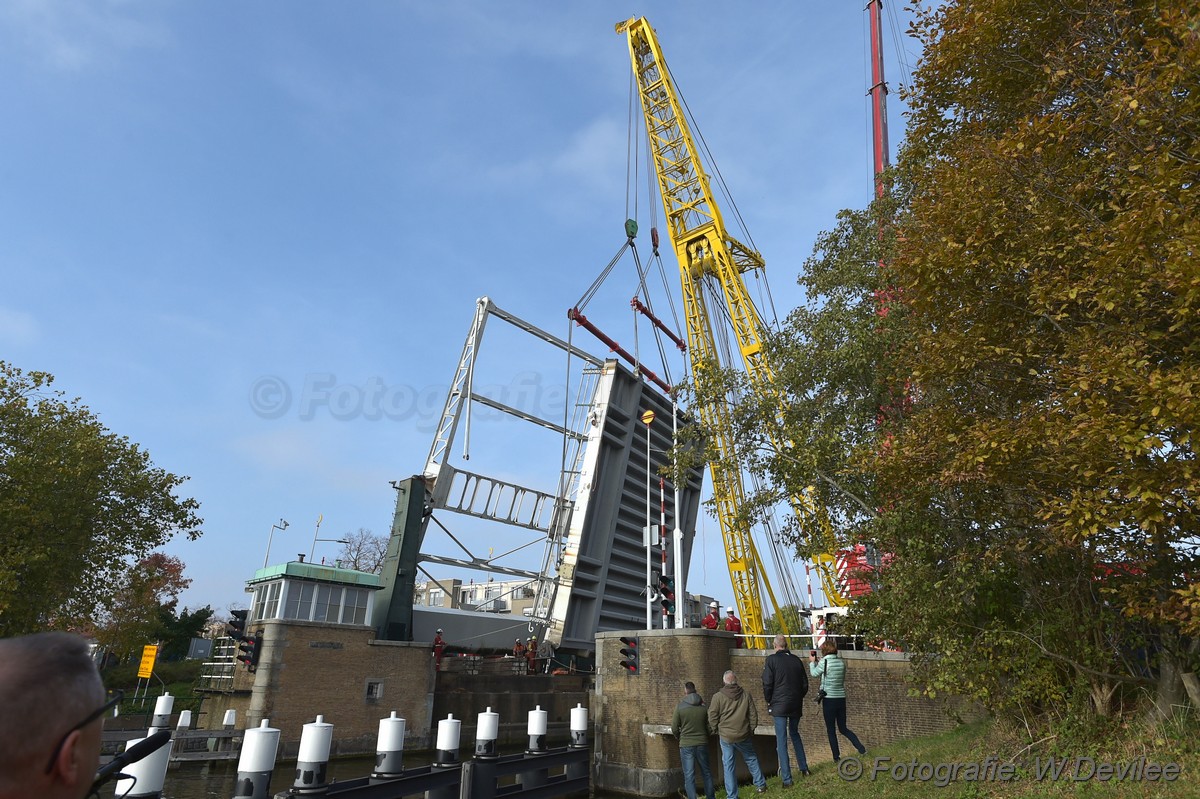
(1170, 688)
(1102, 692)
(1191, 683)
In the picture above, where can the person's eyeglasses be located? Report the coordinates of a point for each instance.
(102, 710)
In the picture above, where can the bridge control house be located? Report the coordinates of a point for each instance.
(312, 592)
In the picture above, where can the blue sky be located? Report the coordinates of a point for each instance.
(205, 201)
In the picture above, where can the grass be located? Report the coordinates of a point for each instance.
(178, 676)
(1171, 742)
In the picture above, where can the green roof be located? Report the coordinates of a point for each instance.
(317, 573)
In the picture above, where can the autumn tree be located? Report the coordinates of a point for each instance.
(1000, 391)
(363, 551)
(1048, 269)
(78, 504)
(145, 599)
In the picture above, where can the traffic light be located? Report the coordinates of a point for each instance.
(249, 650)
(666, 594)
(629, 654)
(235, 628)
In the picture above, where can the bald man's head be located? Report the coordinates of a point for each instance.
(48, 684)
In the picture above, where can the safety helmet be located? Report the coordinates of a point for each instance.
(729, 610)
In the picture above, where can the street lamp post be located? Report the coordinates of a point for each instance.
(316, 533)
(677, 535)
(648, 419)
(331, 540)
(282, 525)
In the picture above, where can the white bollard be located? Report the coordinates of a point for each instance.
(146, 776)
(389, 747)
(448, 732)
(487, 730)
(228, 723)
(538, 720)
(579, 740)
(579, 725)
(185, 720)
(162, 713)
(257, 760)
(446, 757)
(312, 763)
(535, 777)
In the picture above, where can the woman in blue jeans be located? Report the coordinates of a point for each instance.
(832, 671)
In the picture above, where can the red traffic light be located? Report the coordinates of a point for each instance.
(629, 654)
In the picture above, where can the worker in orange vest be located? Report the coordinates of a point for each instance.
(710, 622)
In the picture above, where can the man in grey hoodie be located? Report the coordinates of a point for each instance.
(690, 726)
(734, 716)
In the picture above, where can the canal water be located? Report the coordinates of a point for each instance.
(216, 780)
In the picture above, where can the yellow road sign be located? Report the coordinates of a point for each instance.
(149, 655)
(648, 418)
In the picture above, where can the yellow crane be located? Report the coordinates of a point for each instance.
(709, 255)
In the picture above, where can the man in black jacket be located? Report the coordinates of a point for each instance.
(785, 683)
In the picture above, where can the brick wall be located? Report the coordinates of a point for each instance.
(636, 754)
(512, 697)
(308, 668)
(632, 754)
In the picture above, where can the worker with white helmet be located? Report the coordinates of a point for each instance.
(733, 625)
(712, 620)
(439, 647)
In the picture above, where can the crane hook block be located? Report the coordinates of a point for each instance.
(654, 239)
(631, 228)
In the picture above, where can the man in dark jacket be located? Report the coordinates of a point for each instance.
(785, 684)
(690, 726)
(733, 715)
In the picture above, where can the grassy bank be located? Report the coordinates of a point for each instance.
(177, 678)
(1016, 768)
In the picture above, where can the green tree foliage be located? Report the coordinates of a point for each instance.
(176, 630)
(77, 505)
(796, 624)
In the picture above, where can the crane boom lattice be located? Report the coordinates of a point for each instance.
(709, 257)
